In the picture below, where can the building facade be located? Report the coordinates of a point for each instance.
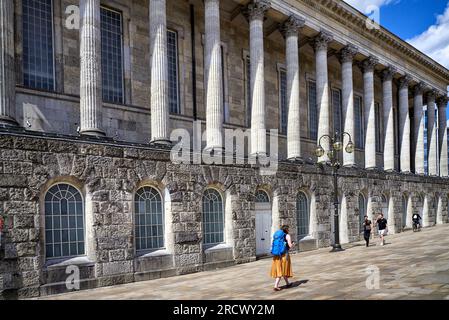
(93, 92)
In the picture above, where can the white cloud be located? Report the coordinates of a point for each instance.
(366, 6)
(435, 40)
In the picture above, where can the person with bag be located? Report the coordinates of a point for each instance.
(281, 266)
(367, 230)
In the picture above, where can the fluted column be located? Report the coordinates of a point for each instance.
(290, 30)
(370, 125)
(387, 87)
(404, 125)
(432, 158)
(159, 72)
(255, 13)
(214, 74)
(7, 74)
(442, 135)
(91, 99)
(419, 129)
(346, 58)
(321, 42)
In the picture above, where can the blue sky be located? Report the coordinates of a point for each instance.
(422, 23)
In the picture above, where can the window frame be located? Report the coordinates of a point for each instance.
(247, 86)
(203, 220)
(310, 114)
(178, 82)
(340, 109)
(361, 145)
(281, 70)
(299, 219)
(51, 260)
(141, 252)
(378, 126)
(53, 51)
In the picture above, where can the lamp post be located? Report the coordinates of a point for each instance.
(336, 145)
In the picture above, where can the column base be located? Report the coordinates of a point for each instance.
(218, 151)
(161, 142)
(298, 160)
(406, 172)
(8, 122)
(93, 133)
(351, 166)
(390, 171)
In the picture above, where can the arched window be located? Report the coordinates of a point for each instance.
(404, 211)
(385, 206)
(302, 215)
(64, 222)
(149, 219)
(362, 210)
(262, 197)
(213, 217)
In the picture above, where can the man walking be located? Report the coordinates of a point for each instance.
(367, 230)
(382, 227)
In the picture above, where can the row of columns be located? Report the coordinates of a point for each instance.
(91, 88)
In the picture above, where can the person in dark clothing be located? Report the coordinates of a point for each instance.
(417, 220)
(367, 230)
(382, 227)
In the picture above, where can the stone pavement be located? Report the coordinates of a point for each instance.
(411, 266)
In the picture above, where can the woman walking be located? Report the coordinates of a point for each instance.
(367, 230)
(281, 266)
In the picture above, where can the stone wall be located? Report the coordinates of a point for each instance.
(108, 175)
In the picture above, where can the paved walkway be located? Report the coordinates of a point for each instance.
(411, 266)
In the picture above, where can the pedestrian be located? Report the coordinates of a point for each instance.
(382, 227)
(367, 230)
(281, 266)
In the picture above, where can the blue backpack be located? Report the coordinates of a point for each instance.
(279, 246)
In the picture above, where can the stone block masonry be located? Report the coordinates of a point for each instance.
(108, 176)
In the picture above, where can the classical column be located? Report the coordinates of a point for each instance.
(159, 72)
(404, 125)
(7, 73)
(214, 74)
(387, 85)
(419, 129)
(442, 135)
(255, 13)
(91, 100)
(432, 157)
(370, 125)
(321, 42)
(346, 58)
(290, 30)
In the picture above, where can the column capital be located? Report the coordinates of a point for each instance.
(405, 81)
(431, 94)
(256, 9)
(388, 73)
(369, 64)
(418, 89)
(321, 41)
(292, 26)
(348, 53)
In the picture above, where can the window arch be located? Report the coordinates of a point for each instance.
(213, 217)
(404, 211)
(262, 197)
(302, 215)
(384, 206)
(149, 219)
(64, 222)
(362, 210)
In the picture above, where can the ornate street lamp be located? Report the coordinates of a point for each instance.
(336, 145)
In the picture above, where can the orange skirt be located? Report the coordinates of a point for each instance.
(281, 267)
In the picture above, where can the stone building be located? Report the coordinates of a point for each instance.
(91, 90)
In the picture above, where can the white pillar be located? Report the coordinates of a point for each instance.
(432, 159)
(442, 135)
(346, 59)
(404, 125)
(7, 71)
(214, 74)
(290, 30)
(91, 100)
(387, 85)
(419, 129)
(159, 72)
(255, 13)
(321, 42)
(370, 125)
